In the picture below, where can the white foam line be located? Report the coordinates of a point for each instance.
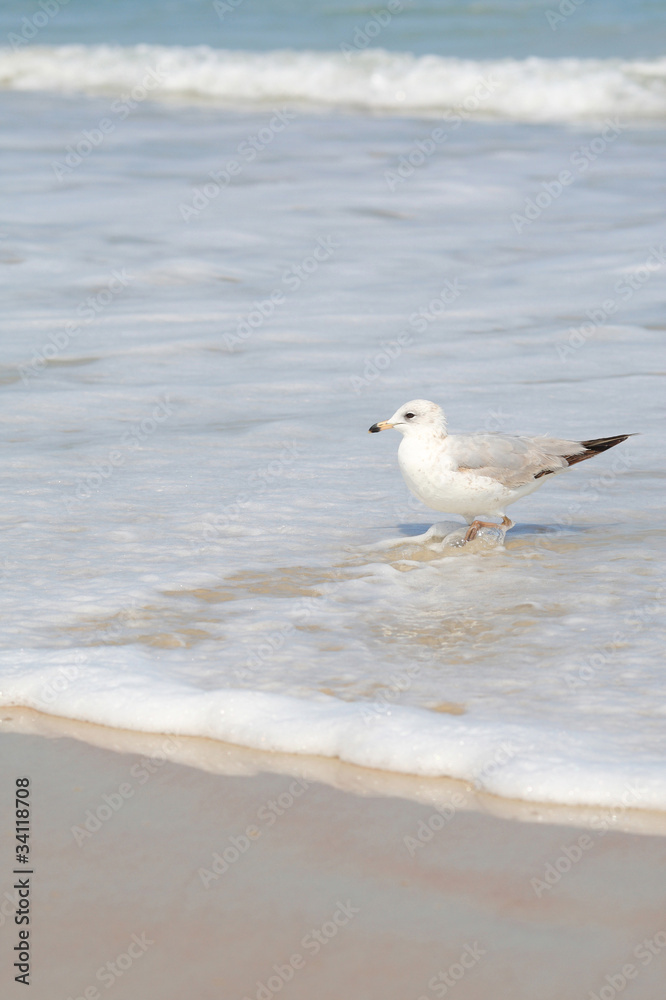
(532, 89)
(506, 759)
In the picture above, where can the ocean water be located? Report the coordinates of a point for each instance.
(231, 241)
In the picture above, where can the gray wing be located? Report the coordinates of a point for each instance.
(511, 461)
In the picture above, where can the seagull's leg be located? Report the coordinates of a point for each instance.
(475, 525)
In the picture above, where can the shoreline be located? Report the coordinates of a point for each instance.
(223, 878)
(218, 757)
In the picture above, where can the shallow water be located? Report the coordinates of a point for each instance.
(201, 537)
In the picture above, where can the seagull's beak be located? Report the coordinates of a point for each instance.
(383, 425)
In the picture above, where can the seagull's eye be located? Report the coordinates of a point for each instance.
(408, 416)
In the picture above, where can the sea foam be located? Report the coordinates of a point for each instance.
(533, 89)
(124, 689)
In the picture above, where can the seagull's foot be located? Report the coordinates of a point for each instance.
(473, 529)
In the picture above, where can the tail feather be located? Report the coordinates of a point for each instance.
(595, 446)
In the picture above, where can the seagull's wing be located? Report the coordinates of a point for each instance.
(514, 461)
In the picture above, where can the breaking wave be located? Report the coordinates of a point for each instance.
(373, 80)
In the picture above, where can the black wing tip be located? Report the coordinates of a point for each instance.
(595, 446)
(602, 444)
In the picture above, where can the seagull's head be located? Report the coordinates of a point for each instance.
(416, 417)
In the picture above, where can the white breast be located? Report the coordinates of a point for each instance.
(433, 477)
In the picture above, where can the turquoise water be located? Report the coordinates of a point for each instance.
(473, 30)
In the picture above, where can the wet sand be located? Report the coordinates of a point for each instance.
(170, 867)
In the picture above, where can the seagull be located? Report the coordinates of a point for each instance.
(472, 474)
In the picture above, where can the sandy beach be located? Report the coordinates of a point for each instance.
(248, 875)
